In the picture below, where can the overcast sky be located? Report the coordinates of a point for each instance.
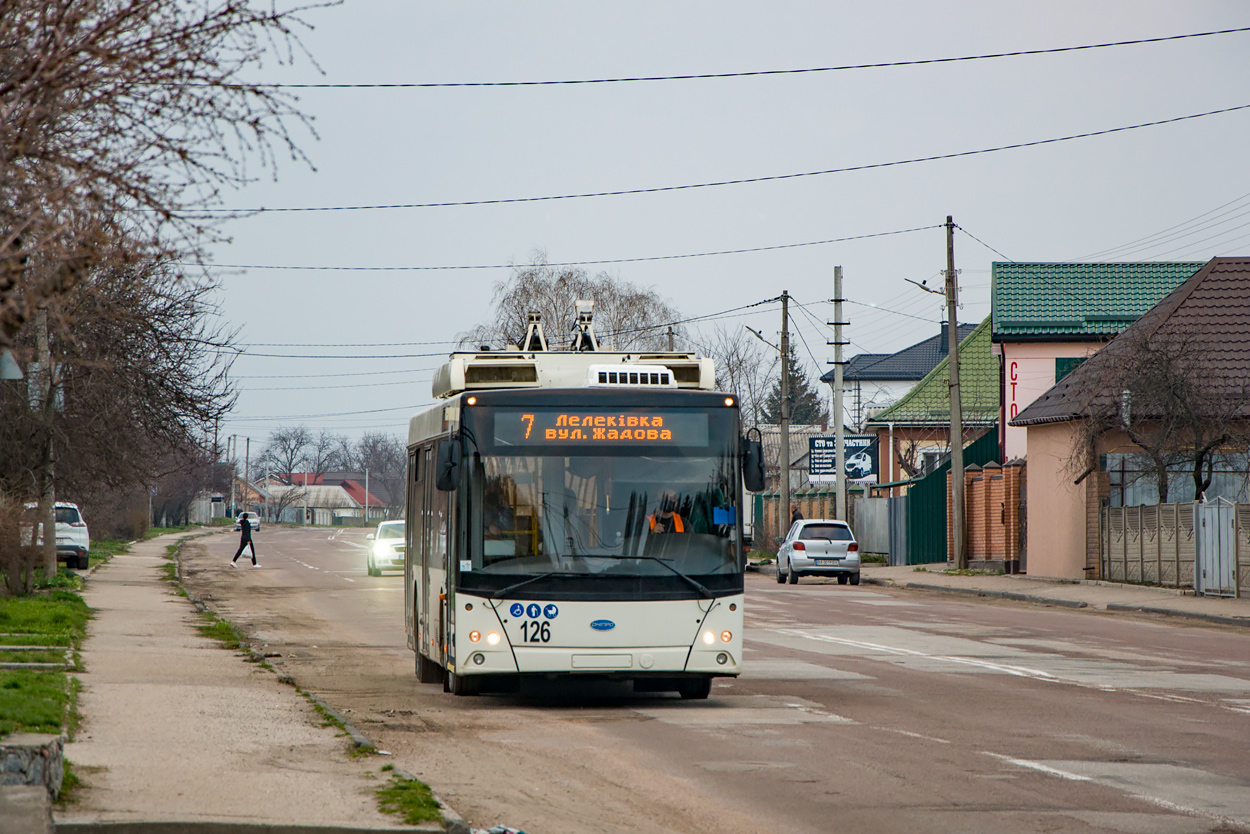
(1062, 201)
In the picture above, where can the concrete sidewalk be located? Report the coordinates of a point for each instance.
(1106, 596)
(177, 729)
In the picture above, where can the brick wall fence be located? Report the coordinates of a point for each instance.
(994, 515)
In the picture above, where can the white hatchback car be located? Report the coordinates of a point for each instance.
(818, 547)
(73, 539)
(386, 547)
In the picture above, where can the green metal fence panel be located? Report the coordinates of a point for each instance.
(926, 502)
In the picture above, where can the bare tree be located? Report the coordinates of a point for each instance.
(324, 452)
(1159, 389)
(626, 316)
(744, 366)
(287, 450)
(137, 371)
(384, 456)
(120, 121)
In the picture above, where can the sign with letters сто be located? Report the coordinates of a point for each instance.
(861, 458)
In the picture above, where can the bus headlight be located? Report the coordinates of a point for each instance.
(722, 658)
(474, 636)
(479, 658)
(493, 638)
(709, 637)
(726, 636)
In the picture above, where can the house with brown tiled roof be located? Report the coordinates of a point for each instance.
(1202, 329)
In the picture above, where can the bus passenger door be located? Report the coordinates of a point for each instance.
(413, 507)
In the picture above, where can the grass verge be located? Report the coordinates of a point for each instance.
(41, 700)
(410, 799)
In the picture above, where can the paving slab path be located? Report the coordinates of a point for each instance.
(176, 728)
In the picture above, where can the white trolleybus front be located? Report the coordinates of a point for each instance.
(564, 529)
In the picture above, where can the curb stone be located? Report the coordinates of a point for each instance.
(1172, 612)
(453, 823)
(1012, 595)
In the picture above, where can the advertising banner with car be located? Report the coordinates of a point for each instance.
(861, 458)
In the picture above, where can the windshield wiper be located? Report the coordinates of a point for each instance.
(502, 592)
(693, 583)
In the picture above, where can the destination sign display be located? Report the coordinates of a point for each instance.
(540, 427)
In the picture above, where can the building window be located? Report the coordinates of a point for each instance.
(1066, 365)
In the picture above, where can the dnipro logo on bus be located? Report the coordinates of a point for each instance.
(603, 625)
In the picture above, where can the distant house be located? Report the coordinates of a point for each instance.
(874, 381)
(914, 433)
(1050, 317)
(1209, 315)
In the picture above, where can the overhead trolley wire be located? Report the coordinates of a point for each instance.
(740, 181)
(600, 262)
(746, 73)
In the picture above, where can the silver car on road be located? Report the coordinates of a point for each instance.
(818, 547)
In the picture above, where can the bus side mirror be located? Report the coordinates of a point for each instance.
(448, 465)
(753, 465)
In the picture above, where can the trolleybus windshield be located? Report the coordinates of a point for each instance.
(602, 504)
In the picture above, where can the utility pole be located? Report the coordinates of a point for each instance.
(247, 466)
(839, 431)
(960, 554)
(366, 524)
(232, 449)
(671, 348)
(783, 521)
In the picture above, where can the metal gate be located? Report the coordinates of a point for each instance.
(1215, 574)
(898, 530)
(926, 503)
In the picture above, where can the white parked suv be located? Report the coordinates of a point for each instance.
(818, 547)
(73, 540)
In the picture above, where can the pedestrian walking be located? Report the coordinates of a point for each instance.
(245, 541)
(795, 513)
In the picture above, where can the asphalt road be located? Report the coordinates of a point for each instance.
(872, 710)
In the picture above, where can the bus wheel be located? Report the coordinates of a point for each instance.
(461, 685)
(695, 690)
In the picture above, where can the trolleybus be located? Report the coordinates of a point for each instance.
(576, 512)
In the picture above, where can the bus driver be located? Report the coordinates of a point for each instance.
(667, 520)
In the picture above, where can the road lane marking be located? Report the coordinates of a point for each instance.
(1018, 671)
(1039, 767)
(910, 734)
(1205, 794)
(1005, 668)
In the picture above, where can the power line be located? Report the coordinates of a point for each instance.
(601, 262)
(357, 344)
(748, 73)
(743, 180)
(320, 376)
(266, 418)
(888, 310)
(983, 243)
(327, 387)
(338, 356)
(1167, 234)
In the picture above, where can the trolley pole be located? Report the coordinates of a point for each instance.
(959, 554)
(783, 518)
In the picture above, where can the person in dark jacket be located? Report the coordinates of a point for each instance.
(245, 541)
(795, 513)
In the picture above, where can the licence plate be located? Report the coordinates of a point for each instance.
(824, 563)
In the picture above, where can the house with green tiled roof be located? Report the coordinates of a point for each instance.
(1049, 317)
(914, 433)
